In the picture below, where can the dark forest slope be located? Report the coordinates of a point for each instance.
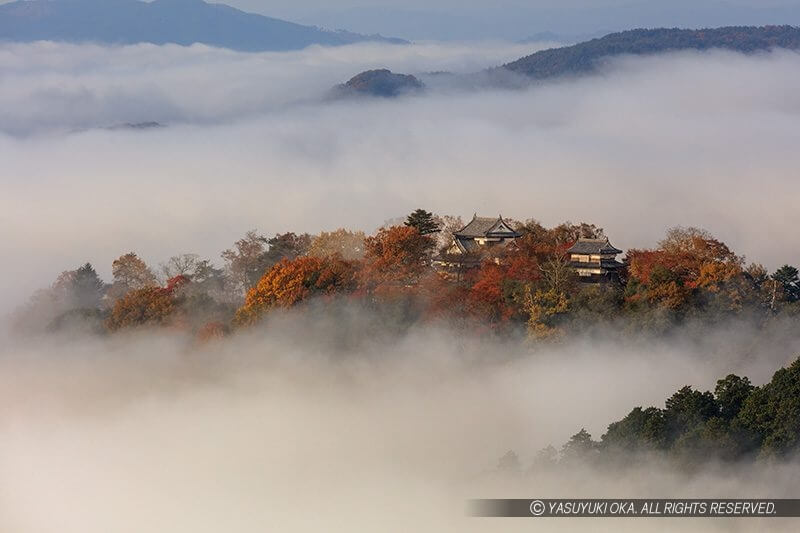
(583, 57)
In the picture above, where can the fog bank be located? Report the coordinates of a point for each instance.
(295, 426)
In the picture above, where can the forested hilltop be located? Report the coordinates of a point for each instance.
(526, 287)
(411, 273)
(736, 422)
(584, 57)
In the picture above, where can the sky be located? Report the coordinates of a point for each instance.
(516, 20)
(266, 6)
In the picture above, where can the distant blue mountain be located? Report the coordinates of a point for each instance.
(163, 21)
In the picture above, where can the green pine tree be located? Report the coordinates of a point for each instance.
(423, 221)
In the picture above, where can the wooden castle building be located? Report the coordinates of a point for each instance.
(482, 232)
(595, 260)
(475, 241)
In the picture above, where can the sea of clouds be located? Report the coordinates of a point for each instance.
(297, 426)
(307, 423)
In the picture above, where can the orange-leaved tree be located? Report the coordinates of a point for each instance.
(395, 258)
(290, 282)
(148, 306)
(687, 260)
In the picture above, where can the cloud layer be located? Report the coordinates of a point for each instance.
(49, 86)
(302, 426)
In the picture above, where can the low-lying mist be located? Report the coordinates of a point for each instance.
(330, 422)
(51, 87)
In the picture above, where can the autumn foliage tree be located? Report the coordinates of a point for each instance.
(130, 273)
(290, 282)
(488, 295)
(348, 245)
(396, 257)
(254, 254)
(530, 281)
(544, 241)
(148, 306)
(688, 264)
(245, 263)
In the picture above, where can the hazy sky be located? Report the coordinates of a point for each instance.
(299, 6)
(267, 6)
(515, 19)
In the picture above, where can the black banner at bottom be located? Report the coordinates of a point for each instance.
(636, 508)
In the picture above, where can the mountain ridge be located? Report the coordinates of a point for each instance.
(583, 57)
(182, 22)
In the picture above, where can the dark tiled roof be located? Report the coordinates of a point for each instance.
(483, 227)
(460, 246)
(606, 264)
(611, 264)
(468, 245)
(593, 246)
